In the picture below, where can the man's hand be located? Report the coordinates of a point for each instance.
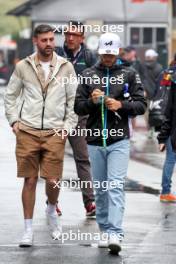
(162, 147)
(113, 104)
(15, 128)
(145, 94)
(96, 95)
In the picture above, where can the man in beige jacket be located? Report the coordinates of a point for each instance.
(37, 104)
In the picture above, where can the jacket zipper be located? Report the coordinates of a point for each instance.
(21, 108)
(106, 111)
(43, 94)
(43, 109)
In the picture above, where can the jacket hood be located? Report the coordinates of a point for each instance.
(59, 61)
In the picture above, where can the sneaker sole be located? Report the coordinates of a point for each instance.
(25, 245)
(59, 214)
(103, 246)
(91, 216)
(166, 201)
(114, 248)
(93, 213)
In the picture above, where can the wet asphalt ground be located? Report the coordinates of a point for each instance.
(150, 226)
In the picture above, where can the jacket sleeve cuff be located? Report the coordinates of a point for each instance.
(69, 125)
(162, 140)
(90, 103)
(125, 105)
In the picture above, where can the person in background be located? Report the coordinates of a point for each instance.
(81, 57)
(4, 70)
(130, 55)
(35, 105)
(165, 141)
(152, 70)
(109, 107)
(129, 58)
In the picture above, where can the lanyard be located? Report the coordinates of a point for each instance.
(103, 120)
(104, 111)
(73, 59)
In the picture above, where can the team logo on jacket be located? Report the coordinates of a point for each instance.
(138, 79)
(120, 79)
(95, 76)
(155, 104)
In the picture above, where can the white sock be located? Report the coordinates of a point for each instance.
(51, 209)
(28, 224)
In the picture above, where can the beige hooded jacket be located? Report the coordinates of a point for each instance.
(38, 103)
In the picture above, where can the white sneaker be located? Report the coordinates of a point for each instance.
(27, 239)
(114, 244)
(55, 228)
(103, 242)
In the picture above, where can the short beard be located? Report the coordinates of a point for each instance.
(44, 54)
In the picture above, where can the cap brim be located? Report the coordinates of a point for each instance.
(108, 51)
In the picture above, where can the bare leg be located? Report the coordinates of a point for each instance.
(52, 191)
(28, 196)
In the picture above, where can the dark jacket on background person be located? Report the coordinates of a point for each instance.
(168, 127)
(158, 104)
(139, 67)
(85, 106)
(152, 71)
(85, 58)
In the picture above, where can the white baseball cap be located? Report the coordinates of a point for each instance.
(151, 53)
(109, 43)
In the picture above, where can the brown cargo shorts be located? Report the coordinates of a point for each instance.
(39, 155)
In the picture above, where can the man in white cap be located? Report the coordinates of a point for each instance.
(152, 70)
(109, 94)
(150, 54)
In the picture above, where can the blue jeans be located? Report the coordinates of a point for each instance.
(109, 165)
(168, 168)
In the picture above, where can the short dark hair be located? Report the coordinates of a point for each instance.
(77, 24)
(129, 49)
(42, 29)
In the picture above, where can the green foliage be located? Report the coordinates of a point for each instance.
(11, 24)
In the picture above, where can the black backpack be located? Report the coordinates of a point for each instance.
(158, 104)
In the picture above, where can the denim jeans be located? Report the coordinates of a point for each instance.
(109, 165)
(168, 168)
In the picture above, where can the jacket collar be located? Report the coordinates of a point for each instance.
(70, 53)
(56, 63)
(101, 67)
(52, 62)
